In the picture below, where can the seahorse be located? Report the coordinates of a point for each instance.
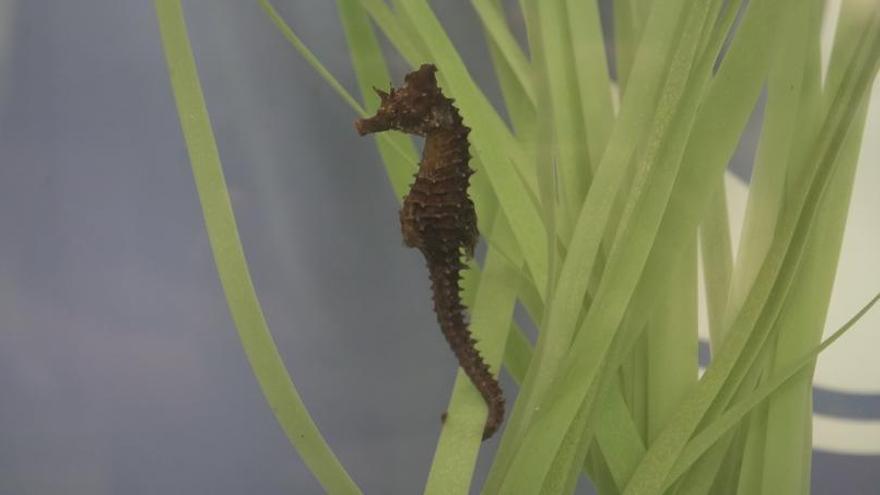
(438, 217)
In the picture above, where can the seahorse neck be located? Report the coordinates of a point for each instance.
(446, 147)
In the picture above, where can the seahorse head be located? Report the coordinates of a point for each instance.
(418, 107)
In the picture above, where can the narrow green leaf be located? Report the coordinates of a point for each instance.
(629, 21)
(763, 304)
(722, 117)
(767, 187)
(517, 354)
(262, 354)
(716, 252)
(621, 444)
(671, 126)
(571, 159)
(411, 28)
(513, 431)
(751, 456)
(407, 42)
(717, 470)
(765, 203)
(799, 217)
(801, 325)
(492, 16)
(792, 93)
(461, 437)
(736, 87)
(580, 261)
(598, 472)
(672, 346)
(545, 161)
(309, 56)
(520, 108)
(855, 16)
(709, 435)
(615, 431)
(520, 111)
(591, 71)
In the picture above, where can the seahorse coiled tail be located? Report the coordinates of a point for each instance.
(438, 216)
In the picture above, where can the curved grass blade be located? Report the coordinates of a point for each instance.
(591, 70)
(499, 32)
(571, 287)
(767, 185)
(763, 304)
(520, 109)
(309, 56)
(781, 442)
(616, 433)
(406, 42)
(266, 362)
(722, 117)
(786, 97)
(556, 74)
(777, 449)
(557, 433)
(743, 86)
(790, 411)
(620, 441)
(629, 21)
(671, 354)
(461, 436)
(732, 417)
(716, 252)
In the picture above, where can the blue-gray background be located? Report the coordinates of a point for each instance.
(120, 369)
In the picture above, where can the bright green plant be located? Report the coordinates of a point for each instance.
(594, 213)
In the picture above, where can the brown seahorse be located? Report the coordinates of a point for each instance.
(438, 216)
